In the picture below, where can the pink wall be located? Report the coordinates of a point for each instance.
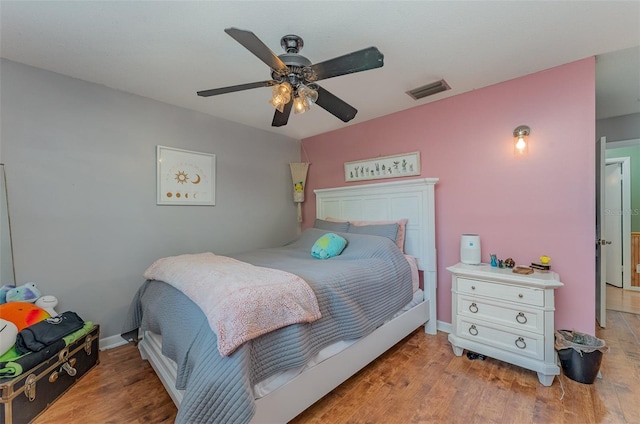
(521, 207)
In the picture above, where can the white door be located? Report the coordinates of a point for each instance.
(601, 284)
(613, 214)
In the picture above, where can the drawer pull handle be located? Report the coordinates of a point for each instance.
(520, 295)
(520, 343)
(473, 330)
(473, 308)
(521, 318)
(473, 287)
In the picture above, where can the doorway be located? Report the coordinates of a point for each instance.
(617, 221)
(623, 157)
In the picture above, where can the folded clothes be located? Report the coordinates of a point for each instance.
(40, 335)
(88, 325)
(13, 363)
(10, 370)
(25, 362)
(10, 355)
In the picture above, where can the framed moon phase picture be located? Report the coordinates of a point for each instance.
(185, 177)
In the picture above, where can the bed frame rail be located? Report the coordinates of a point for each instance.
(286, 402)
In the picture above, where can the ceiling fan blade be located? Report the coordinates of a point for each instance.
(252, 43)
(335, 106)
(281, 118)
(233, 88)
(359, 61)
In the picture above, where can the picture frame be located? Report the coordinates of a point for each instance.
(185, 177)
(395, 166)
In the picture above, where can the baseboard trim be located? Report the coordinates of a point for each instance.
(111, 342)
(445, 327)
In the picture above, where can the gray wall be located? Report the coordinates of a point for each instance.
(626, 127)
(81, 177)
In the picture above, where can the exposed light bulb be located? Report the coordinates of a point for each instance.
(521, 140)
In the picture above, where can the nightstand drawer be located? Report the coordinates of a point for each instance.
(520, 318)
(521, 343)
(511, 293)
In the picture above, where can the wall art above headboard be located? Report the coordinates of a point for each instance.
(404, 165)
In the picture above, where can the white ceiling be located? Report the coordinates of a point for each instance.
(169, 50)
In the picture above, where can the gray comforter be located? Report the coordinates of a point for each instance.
(357, 291)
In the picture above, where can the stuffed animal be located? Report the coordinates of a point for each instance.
(3, 292)
(22, 314)
(48, 303)
(328, 246)
(28, 292)
(8, 334)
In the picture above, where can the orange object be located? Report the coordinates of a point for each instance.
(22, 314)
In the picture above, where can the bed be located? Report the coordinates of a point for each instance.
(248, 396)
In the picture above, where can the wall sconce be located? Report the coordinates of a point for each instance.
(521, 140)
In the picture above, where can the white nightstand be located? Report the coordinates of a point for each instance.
(506, 316)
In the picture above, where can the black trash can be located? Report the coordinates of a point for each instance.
(580, 355)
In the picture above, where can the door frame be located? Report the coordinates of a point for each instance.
(601, 284)
(631, 142)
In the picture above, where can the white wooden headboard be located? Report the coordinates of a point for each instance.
(412, 199)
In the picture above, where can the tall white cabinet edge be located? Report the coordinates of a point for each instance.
(506, 316)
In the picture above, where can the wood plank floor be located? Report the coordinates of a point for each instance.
(623, 300)
(418, 381)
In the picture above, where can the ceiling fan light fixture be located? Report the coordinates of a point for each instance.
(291, 72)
(281, 96)
(309, 93)
(278, 102)
(303, 97)
(300, 104)
(429, 89)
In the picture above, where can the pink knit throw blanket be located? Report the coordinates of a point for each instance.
(241, 301)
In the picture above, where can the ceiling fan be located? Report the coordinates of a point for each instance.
(293, 77)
